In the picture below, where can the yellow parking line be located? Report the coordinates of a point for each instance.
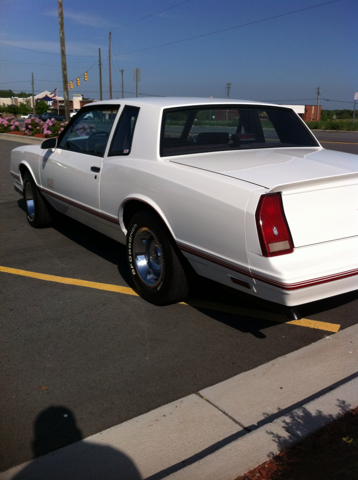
(306, 322)
(271, 316)
(70, 281)
(243, 312)
(341, 143)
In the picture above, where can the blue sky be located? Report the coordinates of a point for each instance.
(269, 50)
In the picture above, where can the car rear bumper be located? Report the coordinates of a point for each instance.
(306, 275)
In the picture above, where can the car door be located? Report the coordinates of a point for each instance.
(71, 173)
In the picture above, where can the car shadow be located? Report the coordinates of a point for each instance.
(203, 293)
(328, 304)
(93, 241)
(252, 315)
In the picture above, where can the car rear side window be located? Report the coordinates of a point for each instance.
(123, 136)
(232, 127)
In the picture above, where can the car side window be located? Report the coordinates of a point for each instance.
(89, 132)
(219, 128)
(123, 136)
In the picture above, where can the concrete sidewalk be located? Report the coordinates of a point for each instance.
(220, 432)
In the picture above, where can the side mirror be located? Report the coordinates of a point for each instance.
(50, 143)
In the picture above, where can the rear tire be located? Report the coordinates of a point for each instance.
(154, 261)
(37, 211)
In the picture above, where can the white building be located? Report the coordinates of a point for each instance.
(49, 97)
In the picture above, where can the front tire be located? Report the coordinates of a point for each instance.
(154, 261)
(37, 212)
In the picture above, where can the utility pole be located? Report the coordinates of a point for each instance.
(228, 86)
(33, 95)
(100, 74)
(136, 79)
(122, 82)
(110, 67)
(355, 102)
(63, 61)
(318, 95)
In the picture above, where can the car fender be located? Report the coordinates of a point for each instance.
(18, 176)
(29, 160)
(147, 201)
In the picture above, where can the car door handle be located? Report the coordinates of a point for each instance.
(95, 169)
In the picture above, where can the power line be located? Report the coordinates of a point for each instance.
(292, 100)
(57, 81)
(115, 28)
(231, 28)
(22, 81)
(189, 38)
(33, 63)
(151, 15)
(338, 101)
(306, 100)
(45, 53)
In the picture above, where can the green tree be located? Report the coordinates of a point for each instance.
(41, 107)
(25, 108)
(13, 109)
(6, 93)
(324, 115)
(22, 95)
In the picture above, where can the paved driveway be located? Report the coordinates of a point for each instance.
(69, 338)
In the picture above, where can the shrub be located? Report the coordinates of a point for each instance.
(33, 126)
(9, 124)
(53, 128)
(50, 128)
(333, 125)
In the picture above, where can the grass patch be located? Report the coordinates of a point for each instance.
(334, 125)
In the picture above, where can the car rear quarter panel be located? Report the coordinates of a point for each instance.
(310, 273)
(203, 210)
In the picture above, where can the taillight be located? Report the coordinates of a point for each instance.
(274, 234)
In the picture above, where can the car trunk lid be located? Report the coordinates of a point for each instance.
(319, 187)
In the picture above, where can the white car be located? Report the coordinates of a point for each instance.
(240, 191)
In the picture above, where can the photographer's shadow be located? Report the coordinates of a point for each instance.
(60, 453)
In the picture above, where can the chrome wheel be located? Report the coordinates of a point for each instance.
(37, 212)
(147, 253)
(30, 202)
(153, 260)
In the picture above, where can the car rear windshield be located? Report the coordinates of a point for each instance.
(214, 128)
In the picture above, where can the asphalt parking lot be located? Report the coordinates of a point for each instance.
(75, 335)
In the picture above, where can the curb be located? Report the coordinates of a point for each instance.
(255, 448)
(22, 139)
(222, 431)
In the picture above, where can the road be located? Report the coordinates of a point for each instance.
(340, 141)
(108, 356)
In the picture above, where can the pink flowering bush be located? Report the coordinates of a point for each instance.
(50, 128)
(9, 124)
(53, 128)
(32, 126)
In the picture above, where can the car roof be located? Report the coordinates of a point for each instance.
(172, 102)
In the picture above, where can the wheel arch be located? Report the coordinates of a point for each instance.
(134, 204)
(25, 168)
